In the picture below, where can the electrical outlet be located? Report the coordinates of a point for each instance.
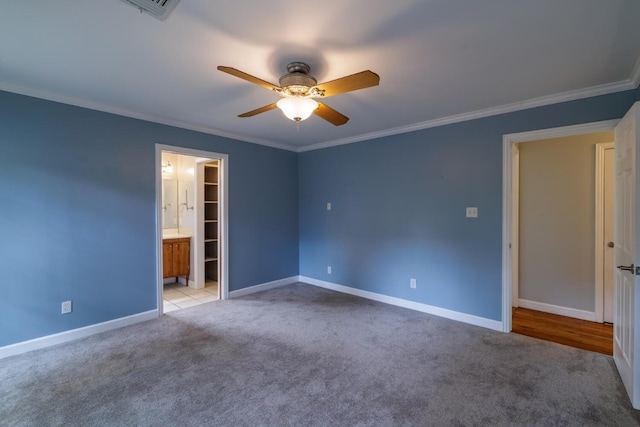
(412, 283)
(328, 269)
(472, 212)
(66, 307)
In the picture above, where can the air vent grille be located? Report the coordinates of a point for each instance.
(157, 8)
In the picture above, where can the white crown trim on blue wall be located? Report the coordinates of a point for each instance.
(487, 112)
(573, 95)
(91, 105)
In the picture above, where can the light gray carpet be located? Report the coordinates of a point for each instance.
(304, 356)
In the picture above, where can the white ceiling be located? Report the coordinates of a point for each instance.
(439, 61)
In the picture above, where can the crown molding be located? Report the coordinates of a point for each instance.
(542, 101)
(84, 103)
(605, 89)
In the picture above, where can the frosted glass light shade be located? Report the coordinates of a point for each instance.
(297, 108)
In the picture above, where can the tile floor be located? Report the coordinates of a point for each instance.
(176, 296)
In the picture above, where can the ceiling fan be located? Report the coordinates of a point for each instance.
(298, 90)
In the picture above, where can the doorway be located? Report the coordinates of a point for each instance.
(511, 207)
(557, 225)
(191, 219)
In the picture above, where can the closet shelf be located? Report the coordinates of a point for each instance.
(211, 232)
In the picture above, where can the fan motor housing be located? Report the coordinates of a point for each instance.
(298, 76)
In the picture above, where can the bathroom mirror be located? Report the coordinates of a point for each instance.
(169, 203)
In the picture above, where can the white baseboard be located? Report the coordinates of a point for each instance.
(86, 331)
(412, 305)
(263, 287)
(74, 334)
(556, 309)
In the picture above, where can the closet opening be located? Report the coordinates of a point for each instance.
(191, 190)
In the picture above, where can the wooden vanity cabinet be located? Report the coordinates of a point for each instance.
(176, 257)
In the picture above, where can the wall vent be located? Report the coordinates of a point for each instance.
(157, 8)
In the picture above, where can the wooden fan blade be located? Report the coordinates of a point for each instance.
(350, 83)
(258, 110)
(330, 115)
(248, 77)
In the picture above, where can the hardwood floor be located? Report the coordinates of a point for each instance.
(564, 330)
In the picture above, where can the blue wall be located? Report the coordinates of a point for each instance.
(398, 207)
(78, 211)
(77, 218)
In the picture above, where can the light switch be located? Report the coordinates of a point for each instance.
(328, 206)
(472, 212)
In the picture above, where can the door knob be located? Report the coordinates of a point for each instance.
(627, 268)
(610, 244)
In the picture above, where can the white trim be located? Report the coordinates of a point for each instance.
(599, 229)
(74, 334)
(159, 274)
(508, 142)
(604, 89)
(603, 126)
(223, 224)
(263, 287)
(487, 112)
(412, 305)
(507, 221)
(92, 105)
(223, 220)
(635, 74)
(515, 225)
(556, 309)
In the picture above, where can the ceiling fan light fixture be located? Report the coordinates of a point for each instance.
(298, 88)
(297, 108)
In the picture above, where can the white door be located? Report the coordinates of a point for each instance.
(624, 339)
(609, 189)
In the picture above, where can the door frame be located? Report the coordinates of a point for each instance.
(510, 197)
(599, 229)
(223, 279)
